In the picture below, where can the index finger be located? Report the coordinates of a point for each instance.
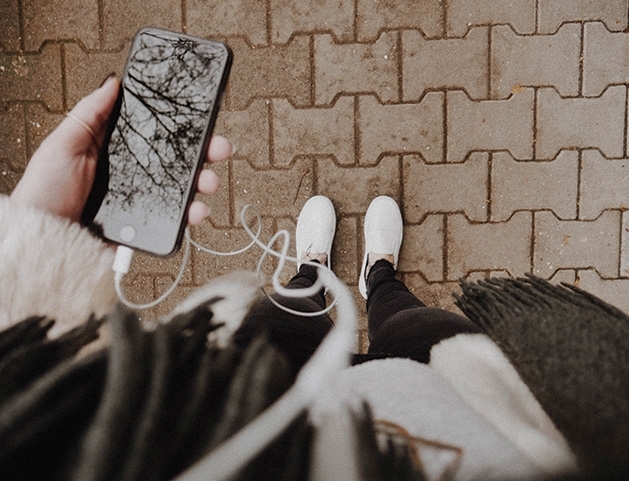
(220, 149)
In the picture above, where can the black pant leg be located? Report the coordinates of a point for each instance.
(400, 325)
(296, 336)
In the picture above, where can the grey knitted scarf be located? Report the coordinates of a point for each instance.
(571, 349)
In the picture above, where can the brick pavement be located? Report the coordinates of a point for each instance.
(499, 126)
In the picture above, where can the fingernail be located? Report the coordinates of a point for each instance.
(109, 77)
(234, 149)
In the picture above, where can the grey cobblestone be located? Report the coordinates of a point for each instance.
(269, 72)
(552, 13)
(532, 61)
(290, 188)
(217, 18)
(519, 185)
(39, 123)
(289, 17)
(434, 64)
(356, 68)
(32, 77)
(599, 46)
(581, 244)
(122, 18)
(490, 125)
(249, 131)
(401, 128)
(380, 179)
(373, 17)
(581, 122)
(313, 131)
(613, 291)
(488, 246)
(423, 248)
(84, 71)
(13, 140)
(447, 188)
(10, 36)
(463, 14)
(603, 184)
(64, 19)
(434, 294)
(624, 246)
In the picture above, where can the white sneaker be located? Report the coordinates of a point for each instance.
(316, 226)
(383, 234)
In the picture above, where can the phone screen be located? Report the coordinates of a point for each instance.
(171, 89)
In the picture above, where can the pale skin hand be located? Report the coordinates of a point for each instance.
(61, 172)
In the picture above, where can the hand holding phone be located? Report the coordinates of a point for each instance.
(147, 169)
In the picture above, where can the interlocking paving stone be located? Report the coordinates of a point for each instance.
(208, 266)
(423, 248)
(249, 131)
(84, 71)
(603, 184)
(401, 128)
(122, 19)
(268, 72)
(613, 291)
(433, 294)
(40, 122)
(490, 125)
(289, 17)
(446, 63)
(10, 25)
(374, 16)
(277, 192)
(364, 183)
(599, 46)
(624, 245)
(553, 13)
(463, 14)
(13, 138)
(32, 77)
(60, 19)
(446, 187)
(517, 185)
(139, 286)
(488, 246)
(317, 131)
(356, 68)
(519, 61)
(160, 267)
(346, 246)
(577, 244)
(568, 123)
(498, 125)
(218, 18)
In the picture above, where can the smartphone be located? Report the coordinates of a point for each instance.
(157, 140)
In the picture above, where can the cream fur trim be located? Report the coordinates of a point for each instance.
(483, 376)
(52, 267)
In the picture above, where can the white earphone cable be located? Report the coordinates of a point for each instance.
(124, 257)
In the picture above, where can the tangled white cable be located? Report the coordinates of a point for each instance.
(124, 255)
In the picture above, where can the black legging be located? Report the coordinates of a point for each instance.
(399, 324)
